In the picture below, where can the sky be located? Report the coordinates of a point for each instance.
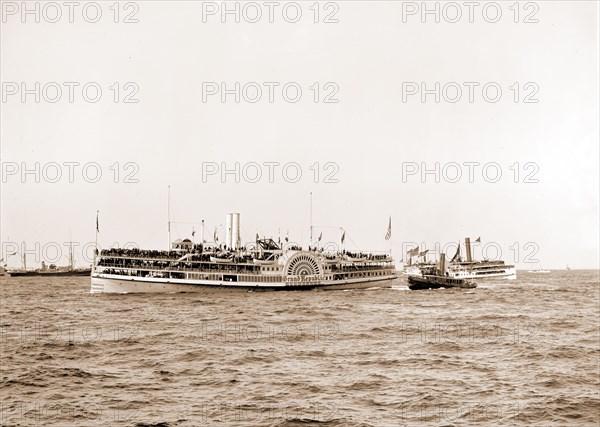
(453, 129)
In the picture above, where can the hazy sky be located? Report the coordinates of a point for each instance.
(372, 61)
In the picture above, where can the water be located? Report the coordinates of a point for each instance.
(525, 352)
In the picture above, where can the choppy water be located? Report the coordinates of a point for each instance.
(525, 352)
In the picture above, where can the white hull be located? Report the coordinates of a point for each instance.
(107, 283)
(508, 274)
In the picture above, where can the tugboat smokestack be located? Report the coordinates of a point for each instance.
(442, 265)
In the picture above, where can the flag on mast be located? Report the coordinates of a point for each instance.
(320, 237)
(97, 223)
(388, 235)
(478, 240)
(343, 237)
(215, 237)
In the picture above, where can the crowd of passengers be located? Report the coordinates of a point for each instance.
(198, 254)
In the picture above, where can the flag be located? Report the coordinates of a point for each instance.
(215, 237)
(478, 240)
(413, 252)
(388, 235)
(423, 253)
(257, 237)
(97, 223)
(320, 237)
(287, 239)
(193, 232)
(343, 237)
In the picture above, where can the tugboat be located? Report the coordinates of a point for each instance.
(437, 278)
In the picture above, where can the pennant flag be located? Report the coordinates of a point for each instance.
(286, 239)
(388, 235)
(320, 237)
(193, 232)
(343, 237)
(478, 240)
(423, 253)
(413, 252)
(97, 223)
(215, 237)
(257, 236)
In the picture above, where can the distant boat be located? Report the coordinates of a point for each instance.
(51, 270)
(568, 268)
(538, 270)
(460, 268)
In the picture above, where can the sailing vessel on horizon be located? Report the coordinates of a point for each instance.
(52, 269)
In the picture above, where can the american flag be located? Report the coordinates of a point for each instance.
(388, 235)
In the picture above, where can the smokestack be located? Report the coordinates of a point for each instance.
(442, 265)
(235, 232)
(228, 225)
(468, 245)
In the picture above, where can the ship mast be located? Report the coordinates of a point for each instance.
(70, 251)
(96, 243)
(169, 217)
(311, 223)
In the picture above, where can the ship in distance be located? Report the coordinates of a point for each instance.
(261, 265)
(459, 267)
(51, 269)
(540, 270)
